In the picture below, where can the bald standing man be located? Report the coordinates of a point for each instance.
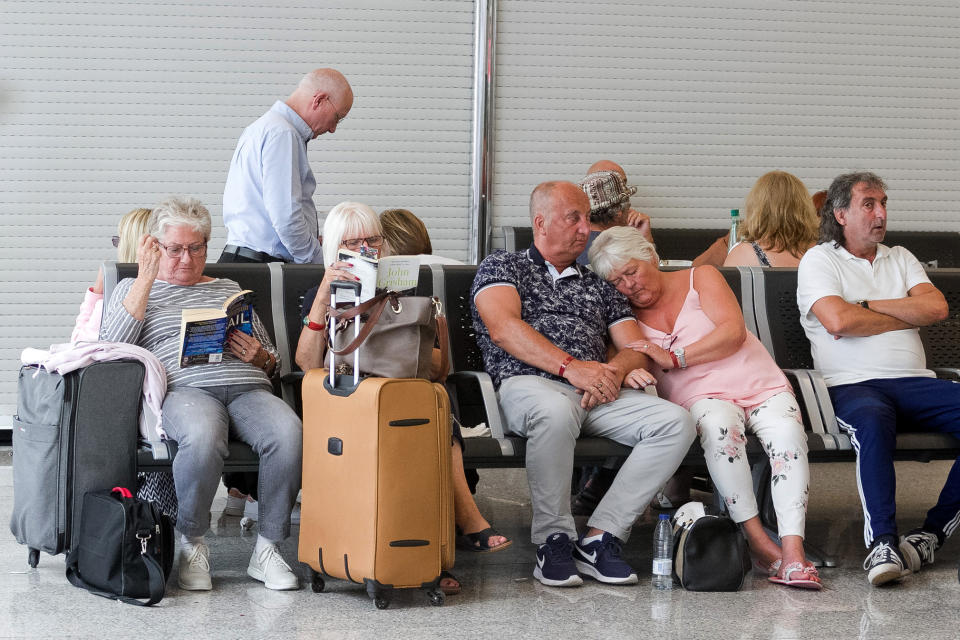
(268, 207)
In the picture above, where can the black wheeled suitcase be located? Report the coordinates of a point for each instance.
(72, 434)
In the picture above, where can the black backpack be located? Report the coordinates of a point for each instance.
(125, 550)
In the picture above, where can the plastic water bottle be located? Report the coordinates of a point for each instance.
(663, 554)
(734, 238)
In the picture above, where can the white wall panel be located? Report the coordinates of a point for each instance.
(696, 99)
(107, 106)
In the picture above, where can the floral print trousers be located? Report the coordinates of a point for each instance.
(722, 426)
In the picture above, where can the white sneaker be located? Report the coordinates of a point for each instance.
(251, 510)
(234, 506)
(917, 548)
(269, 568)
(195, 567)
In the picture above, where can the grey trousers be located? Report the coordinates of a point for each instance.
(549, 415)
(200, 420)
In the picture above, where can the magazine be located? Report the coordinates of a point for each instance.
(393, 273)
(203, 332)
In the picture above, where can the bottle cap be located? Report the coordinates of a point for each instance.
(664, 516)
(734, 213)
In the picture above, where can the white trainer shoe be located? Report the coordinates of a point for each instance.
(194, 566)
(234, 506)
(269, 568)
(917, 549)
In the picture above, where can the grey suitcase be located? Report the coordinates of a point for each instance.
(72, 434)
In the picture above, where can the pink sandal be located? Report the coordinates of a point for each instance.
(808, 577)
(769, 569)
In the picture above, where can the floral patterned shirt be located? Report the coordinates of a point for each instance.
(574, 309)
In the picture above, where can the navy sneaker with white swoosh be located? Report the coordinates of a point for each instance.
(600, 560)
(555, 566)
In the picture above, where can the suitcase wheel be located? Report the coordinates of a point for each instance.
(436, 597)
(316, 580)
(33, 558)
(381, 597)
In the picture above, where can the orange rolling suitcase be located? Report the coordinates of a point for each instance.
(377, 504)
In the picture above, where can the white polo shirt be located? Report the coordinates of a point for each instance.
(826, 270)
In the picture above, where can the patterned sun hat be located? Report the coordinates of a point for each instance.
(605, 189)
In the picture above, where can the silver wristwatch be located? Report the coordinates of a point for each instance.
(679, 352)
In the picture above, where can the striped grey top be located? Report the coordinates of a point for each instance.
(159, 332)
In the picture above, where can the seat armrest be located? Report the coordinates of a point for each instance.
(826, 410)
(947, 373)
(161, 450)
(491, 406)
(811, 402)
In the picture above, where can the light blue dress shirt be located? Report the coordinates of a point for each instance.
(268, 199)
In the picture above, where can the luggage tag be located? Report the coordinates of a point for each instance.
(334, 287)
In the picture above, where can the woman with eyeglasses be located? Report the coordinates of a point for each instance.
(353, 226)
(207, 402)
(704, 359)
(129, 229)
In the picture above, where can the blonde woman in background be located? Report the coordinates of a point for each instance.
(130, 228)
(779, 225)
(406, 235)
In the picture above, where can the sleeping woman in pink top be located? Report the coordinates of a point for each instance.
(705, 360)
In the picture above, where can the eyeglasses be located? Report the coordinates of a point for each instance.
(176, 250)
(115, 240)
(355, 243)
(336, 111)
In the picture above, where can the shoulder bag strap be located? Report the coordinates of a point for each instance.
(376, 303)
(443, 337)
(157, 582)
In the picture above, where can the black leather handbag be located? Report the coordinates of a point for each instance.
(125, 550)
(710, 554)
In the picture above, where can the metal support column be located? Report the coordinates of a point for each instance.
(481, 180)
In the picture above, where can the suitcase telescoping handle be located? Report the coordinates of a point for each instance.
(335, 286)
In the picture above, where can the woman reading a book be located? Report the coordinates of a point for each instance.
(230, 394)
(353, 226)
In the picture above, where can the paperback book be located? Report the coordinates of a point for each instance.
(393, 273)
(203, 332)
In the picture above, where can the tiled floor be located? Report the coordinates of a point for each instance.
(501, 600)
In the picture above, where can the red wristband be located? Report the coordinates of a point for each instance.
(676, 363)
(563, 365)
(310, 324)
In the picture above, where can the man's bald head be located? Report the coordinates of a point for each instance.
(322, 98)
(560, 216)
(545, 196)
(607, 165)
(329, 81)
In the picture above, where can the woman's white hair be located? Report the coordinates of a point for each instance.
(616, 247)
(177, 211)
(349, 220)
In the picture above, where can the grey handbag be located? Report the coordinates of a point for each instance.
(396, 338)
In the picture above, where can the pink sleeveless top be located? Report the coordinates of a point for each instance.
(747, 377)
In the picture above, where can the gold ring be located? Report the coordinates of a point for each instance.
(243, 352)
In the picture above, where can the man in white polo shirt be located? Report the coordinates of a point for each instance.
(861, 303)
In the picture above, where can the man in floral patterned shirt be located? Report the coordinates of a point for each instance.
(543, 325)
